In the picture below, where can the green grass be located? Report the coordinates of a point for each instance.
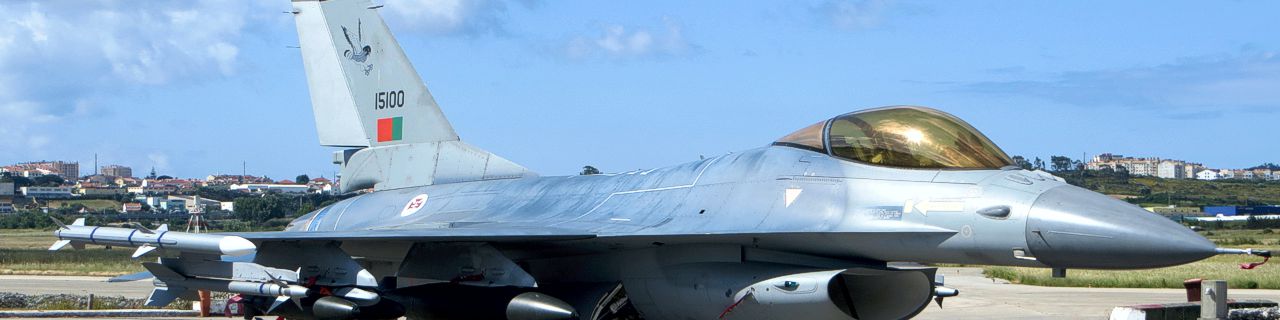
(1224, 267)
(26, 252)
(92, 204)
(88, 262)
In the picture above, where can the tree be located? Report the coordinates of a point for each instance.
(1060, 163)
(1022, 162)
(164, 178)
(18, 181)
(302, 179)
(48, 180)
(261, 209)
(1038, 164)
(589, 170)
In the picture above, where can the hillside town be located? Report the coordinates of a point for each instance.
(36, 184)
(1176, 169)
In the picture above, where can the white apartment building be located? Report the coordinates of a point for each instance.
(1207, 175)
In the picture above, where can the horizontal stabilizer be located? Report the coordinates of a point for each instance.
(162, 296)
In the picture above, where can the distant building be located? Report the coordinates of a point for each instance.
(1171, 169)
(1226, 174)
(1207, 175)
(194, 203)
(227, 179)
(100, 191)
(128, 182)
(1170, 210)
(47, 192)
(118, 171)
(97, 180)
(1220, 210)
(131, 207)
(1190, 169)
(6, 189)
(69, 171)
(1135, 166)
(267, 187)
(178, 184)
(1241, 210)
(152, 190)
(6, 206)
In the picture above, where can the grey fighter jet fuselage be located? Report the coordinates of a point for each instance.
(803, 227)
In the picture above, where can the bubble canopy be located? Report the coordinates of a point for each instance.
(903, 137)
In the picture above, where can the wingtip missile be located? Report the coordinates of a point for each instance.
(146, 240)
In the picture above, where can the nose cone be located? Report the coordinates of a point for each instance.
(1070, 227)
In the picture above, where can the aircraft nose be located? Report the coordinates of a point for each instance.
(1071, 227)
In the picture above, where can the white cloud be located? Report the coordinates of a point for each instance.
(1243, 82)
(444, 17)
(55, 56)
(851, 15)
(617, 41)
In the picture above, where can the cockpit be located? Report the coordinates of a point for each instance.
(903, 137)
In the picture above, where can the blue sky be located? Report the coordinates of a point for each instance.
(196, 87)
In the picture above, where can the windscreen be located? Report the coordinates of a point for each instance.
(912, 137)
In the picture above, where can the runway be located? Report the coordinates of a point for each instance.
(980, 298)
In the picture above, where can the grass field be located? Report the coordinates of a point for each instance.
(92, 204)
(26, 252)
(1218, 268)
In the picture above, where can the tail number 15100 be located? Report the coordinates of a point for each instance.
(389, 99)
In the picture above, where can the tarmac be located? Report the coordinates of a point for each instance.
(980, 298)
(983, 298)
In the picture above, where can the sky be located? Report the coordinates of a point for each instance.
(193, 88)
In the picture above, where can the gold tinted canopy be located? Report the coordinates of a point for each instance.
(905, 137)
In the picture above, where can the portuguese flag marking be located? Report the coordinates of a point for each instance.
(390, 129)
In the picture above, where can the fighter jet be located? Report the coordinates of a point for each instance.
(811, 226)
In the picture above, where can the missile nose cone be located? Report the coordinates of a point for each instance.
(537, 306)
(235, 246)
(1070, 227)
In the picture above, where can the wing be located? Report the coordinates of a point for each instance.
(488, 234)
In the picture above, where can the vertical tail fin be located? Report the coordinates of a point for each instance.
(366, 95)
(364, 91)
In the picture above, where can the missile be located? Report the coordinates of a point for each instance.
(146, 240)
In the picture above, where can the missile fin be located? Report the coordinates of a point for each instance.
(78, 222)
(162, 296)
(140, 228)
(61, 225)
(163, 228)
(280, 300)
(144, 249)
(59, 244)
